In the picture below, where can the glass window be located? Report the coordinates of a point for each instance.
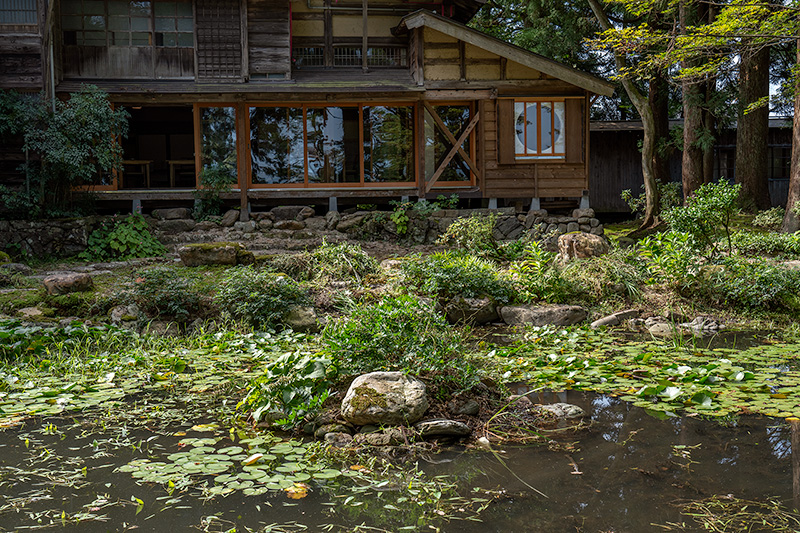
(539, 128)
(437, 145)
(388, 143)
(276, 145)
(17, 11)
(332, 141)
(218, 140)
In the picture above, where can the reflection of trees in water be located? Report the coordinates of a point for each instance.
(276, 144)
(456, 118)
(328, 140)
(388, 143)
(219, 139)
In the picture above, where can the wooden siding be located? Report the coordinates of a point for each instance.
(218, 34)
(268, 36)
(20, 61)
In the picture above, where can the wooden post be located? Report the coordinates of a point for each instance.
(328, 28)
(242, 159)
(420, 137)
(364, 36)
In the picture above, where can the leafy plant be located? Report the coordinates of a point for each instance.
(772, 244)
(259, 298)
(670, 194)
(214, 180)
(164, 293)
(472, 234)
(120, 239)
(670, 258)
(619, 273)
(292, 387)
(539, 278)
(770, 218)
(342, 261)
(400, 215)
(449, 274)
(740, 282)
(400, 334)
(706, 217)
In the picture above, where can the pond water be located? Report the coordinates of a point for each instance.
(624, 471)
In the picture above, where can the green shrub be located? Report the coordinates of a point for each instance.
(770, 218)
(259, 298)
(670, 194)
(342, 261)
(120, 239)
(399, 334)
(539, 278)
(449, 274)
(772, 244)
(475, 235)
(669, 257)
(751, 284)
(214, 180)
(616, 274)
(706, 217)
(292, 387)
(164, 293)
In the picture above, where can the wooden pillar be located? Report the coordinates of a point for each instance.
(364, 36)
(242, 159)
(420, 148)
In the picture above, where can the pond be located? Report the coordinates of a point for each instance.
(622, 470)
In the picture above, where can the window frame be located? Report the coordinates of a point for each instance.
(539, 155)
(21, 26)
(472, 143)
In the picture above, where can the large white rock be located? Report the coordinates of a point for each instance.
(385, 398)
(556, 315)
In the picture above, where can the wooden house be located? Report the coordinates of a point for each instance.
(311, 99)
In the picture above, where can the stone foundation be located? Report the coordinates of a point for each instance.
(65, 237)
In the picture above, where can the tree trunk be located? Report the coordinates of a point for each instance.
(752, 130)
(658, 96)
(791, 221)
(692, 162)
(640, 101)
(710, 125)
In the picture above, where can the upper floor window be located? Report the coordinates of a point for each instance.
(539, 128)
(17, 11)
(128, 23)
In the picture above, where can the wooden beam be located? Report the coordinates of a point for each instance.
(328, 30)
(462, 60)
(364, 36)
(450, 137)
(456, 148)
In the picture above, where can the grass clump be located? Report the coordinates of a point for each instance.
(342, 262)
(259, 298)
(538, 277)
(399, 334)
(449, 274)
(617, 275)
(475, 236)
(166, 294)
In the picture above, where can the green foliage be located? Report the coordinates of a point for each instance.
(670, 194)
(772, 244)
(770, 218)
(473, 235)
(120, 239)
(670, 258)
(448, 274)
(259, 298)
(399, 334)
(291, 388)
(539, 278)
(706, 217)
(422, 207)
(17, 340)
(342, 261)
(164, 293)
(214, 180)
(618, 274)
(73, 145)
(751, 284)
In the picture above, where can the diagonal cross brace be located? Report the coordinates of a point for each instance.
(456, 146)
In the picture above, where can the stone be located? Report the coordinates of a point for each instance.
(579, 213)
(287, 212)
(563, 410)
(556, 315)
(171, 227)
(4, 258)
(471, 310)
(315, 223)
(331, 428)
(593, 222)
(573, 227)
(173, 213)
(67, 283)
(506, 225)
(332, 219)
(791, 265)
(339, 440)
(349, 222)
(213, 253)
(520, 400)
(385, 398)
(6, 280)
(124, 313)
(245, 227)
(391, 264)
(17, 268)
(580, 246)
(206, 225)
(585, 228)
(265, 224)
(703, 325)
(585, 221)
(163, 328)
(562, 228)
(30, 312)
(615, 319)
(306, 212)
(291, 225)
(302, 318)
(598, 231)
(442, 427)
(387, 437)
(304, 235)
(467, 407)
(229, 218)
(661, 329)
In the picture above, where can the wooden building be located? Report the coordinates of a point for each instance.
(311, 99)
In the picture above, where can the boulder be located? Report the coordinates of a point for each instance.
(173, 213)
(349, 222)
(563, 410)
(124, 313)
(292, 225)
(245, 227)
(556, 315)
(229, 218)
(703, 325)
(68, 282)
(332, 219)
(387, 437)
(214, 253)
(661, 329)
(615, 319)
(17, 268)
(171, 227)
(580, 246)
(470, 310)
(30, 312)
(442, 427)
(385, 398)
(339, 440)
(302, 318)
(291, 212)
(331, 428)
(315, 223)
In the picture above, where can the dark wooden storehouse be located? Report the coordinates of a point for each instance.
(311, 99)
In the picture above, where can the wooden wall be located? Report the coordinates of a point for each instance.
(268, 37)
(21, 58)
